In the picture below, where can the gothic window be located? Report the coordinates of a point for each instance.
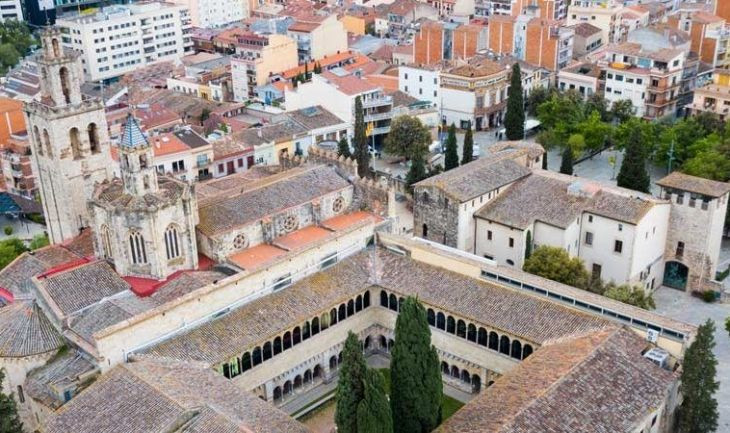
(289, 223)
(240, 241)
(56, 48)
(106, 242)
(338, 205)
(137, 248)
(143, 161)
(93, 134)
(75, 142)
(47, 143)
(65, 84)
(38, 142)
(172, 243)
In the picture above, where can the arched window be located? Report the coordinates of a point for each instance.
(287, 387)
(358, 303)
(296, 336)
(47, 142)
(383, 299)
(476, 383)
(93, 134)
(65, 84)
(471, 334)
(431, 316)
(287, 340)
(366, 343)
(342, 313)
(267, 350)
(297, 382)
(324, 321)
(526, 351)
(305, 331)
(106, 242)
(37, 139)
(137, 248)
(461, 329)
(75, 141)
(277, 393)
(493, 341)
(317, 371)
(444, 367)
(56, 48)
(465, 377)
(393, 304)
(482, 337)
(246, 362)
(425, 231)
(333, 362)
(440, 321)
(366, 299)
(350, 308)
(277, 345)
(256, 356)
(504, 345)
(516, 349)
(308, 376)
(455, 371)
(172, 242)
(383, 342)
(333, 316)
(315, 326)
(450, 325)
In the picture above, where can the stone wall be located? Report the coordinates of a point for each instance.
(435, 216)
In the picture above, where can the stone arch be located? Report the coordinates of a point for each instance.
(482, 337)
(296, 336)
(383, 342)
(47, 143)
(286, 344)
(287, 387)
(267, 351)
(277, 345)
(431, 317)
(317, 372)
(366, 299)
(526, 351)
(516, 351)
(246, 362)
(393, 302)
(504, 345)
(324, 321)
(37, 140)
(64, 74)
(333, 316)
(74, 140)
(471, 333)
(298, 382)
(444, 367)
(424, 230)
(493, 341)
(391, 343)
(342, 313)
(315, 326)
(56, 47)
(350, 308)
(358, 303)
(366, 343)
(476, 383)
(455, 372)
(461, 328)
(465, 377)
(308, 376)
(440, 321)
(306, 330)
(333, 362)
(92, 132)
(450, 325)
(256, 356)
(383, 299)
(277, 393)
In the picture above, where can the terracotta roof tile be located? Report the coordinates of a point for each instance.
(694, 184)
(26, 331)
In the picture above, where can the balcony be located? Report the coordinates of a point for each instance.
(381, 130)
(377, 102)
(201, 163)
(378, 116)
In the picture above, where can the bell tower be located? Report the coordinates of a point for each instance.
(136, 160)
(69, 139)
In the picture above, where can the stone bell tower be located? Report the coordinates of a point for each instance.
(70, 142)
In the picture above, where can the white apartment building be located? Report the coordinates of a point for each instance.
(420, 82)
(121, 38)
(603, 14)
(318, 37)
(215, 13)
(11, 10)
(627, 83)
(584, 78)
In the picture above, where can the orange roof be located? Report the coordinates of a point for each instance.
(349, 84)
(13, 120)
(257, 256)
(167, 144)
(301, 238)
(387, 82)
(706, 17)
(345, 221)
(326, 61)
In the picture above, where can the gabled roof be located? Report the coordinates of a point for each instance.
(685, 182)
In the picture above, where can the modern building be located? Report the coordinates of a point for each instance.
(11, 10)
(709, 35)
(538, 41)
(714, 97)
(421, 82)
(603, 14)
(209, 79)
(585, 78)
(436, 41)
(121, 38)
(318, 36)
(215, 13)
(257, 58)
(587, 38)
(182, 154)
(15, 151)
(548, 9)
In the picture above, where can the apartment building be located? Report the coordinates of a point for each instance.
(584, 77)
(437, 41)
(318, 36)
(15, 163)
(183, 154)
(603, 14)
(257, 58)
(421, 82)
(709, 35)
(548, 9)
(208, 79)
(587, 38)
(713, 97)
(474, 93)
(336, 91)
(11, 10)
(121, 38)
(215, 13)
(650, 79)
(535, 40)
(394, 19)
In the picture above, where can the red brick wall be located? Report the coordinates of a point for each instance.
(428, 44)
(465, 42)
(501, 34)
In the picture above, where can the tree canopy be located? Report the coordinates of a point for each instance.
(361, 154)
(451, 155)
(350, 387)
(373, 412)
(555, 264)
(343, 147)
(698, 412)
(633, 173)
(627, 294)
(9, 419)
(514, 119)
(15, 42)
(467, 151)
(407, 137)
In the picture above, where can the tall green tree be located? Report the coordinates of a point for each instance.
(416, 388)
(9, 420)
(343, 147)
(622, 110)
(451, 155)
(528, 245)
(373, 413)
(361, 141)
(698, 412)
(632, 173)
(514, 120)
(467, 151)
(350, 387)
(566, 162)
(554, 263)
(407, 137)
(417, 171)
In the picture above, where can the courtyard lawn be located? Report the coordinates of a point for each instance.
(449, 405)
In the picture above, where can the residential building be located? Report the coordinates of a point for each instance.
(474, 94)
(535, 40)
(182, 154)
(709, 35)
(714, 97)
(11, 10)
(548, 9)
(587, 38)
(121, 38)
(272, 142)
(437, 41)
(318, 36)
(336, 92)
(257, 58)
(215, 13)
(585, 78)
(15, 162)
(22, 83)
(399, 16)
(230, 156)
(210, 79)
(603, 14)
(320, 124)
(421, 82)
(632, 18)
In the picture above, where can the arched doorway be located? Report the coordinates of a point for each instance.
(675, 275)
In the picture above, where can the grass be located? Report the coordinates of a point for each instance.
(449, 405)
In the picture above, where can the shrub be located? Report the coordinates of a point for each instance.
(8, 230)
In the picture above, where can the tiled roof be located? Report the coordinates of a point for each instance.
(477, 67)
(47, 383)
(477, 177)
(298, 187)
(585, 29)
(558, 199)
(694, 184)
(349, 84)
(17, 276)
(153, 396)
(597, 383)
(315, 117)
(191, 138)
(26, 331)
(82, 286)
(531, 318)
(111, 194)
(275, 132)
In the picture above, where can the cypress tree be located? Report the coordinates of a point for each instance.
(417, 172)
(566, 163)
(544, 161)
(514, 120)
(373, 413)
(416, 388)
(350, 388)
(9, 420)
(698, 412)
(632, 173)
(451, 157)
(343, 148)
(468, 148)
(361, 141)
(528, 245)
